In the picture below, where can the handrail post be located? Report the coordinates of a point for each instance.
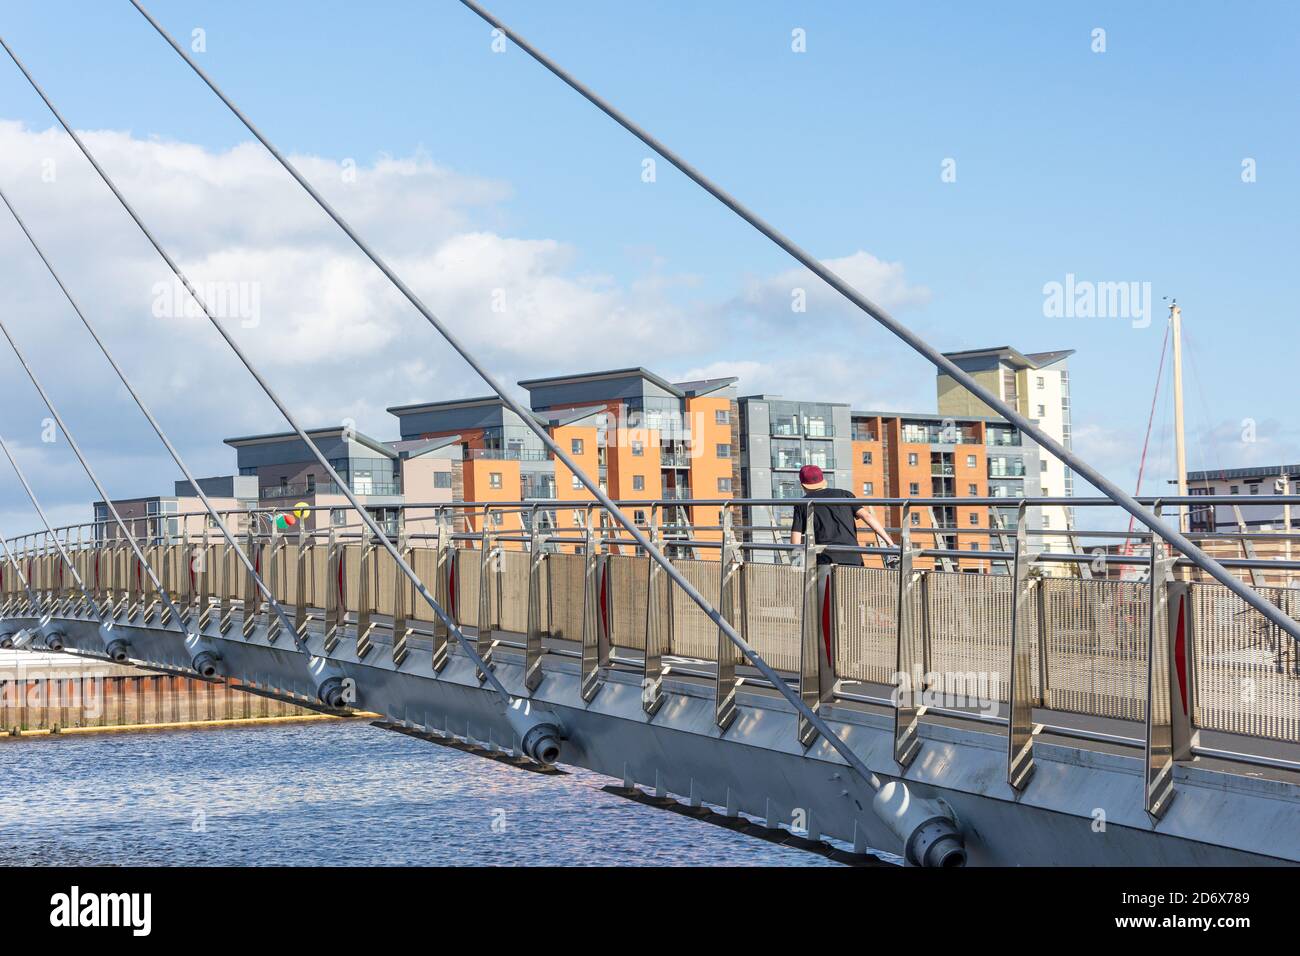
(1158, 777)
(485, 642)
(225, 585)
(657, 639)
(336, 594)
(731, 604)
(304, 559)
(909, 654)
(533, 650)
(1020, 681)
(1182, 670)
(276, 555)
(367, 593)
(252, 597)
(203, 593)
(595, 637)
(403, 600)
(444, 585)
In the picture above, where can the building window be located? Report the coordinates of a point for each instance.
(1042, 411)
(1254, 489)
(494, 479)
(975, 519)
(638, 517)
(248, 470)
(338, 517)
(1042, 466)
(638, 482)
(970, 461)
(916, 517)
(496, 518)
(868, 487)
(911, 458)
(442, 479)
(724, 485)
(866, 458)
(722, 416)
(1234, 490)
(972, 489)
(577, 482)
(913, 488)
(1041, 383)
(638, 449)
(724, 451)
(575, 446)
(1047, 521)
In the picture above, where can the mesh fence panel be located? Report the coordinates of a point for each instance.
(566, 577)
(970, 633)
(866, 606)
(629, 582)
(1096, 646)
(772, 613)
(694, 635)
(1246, 670)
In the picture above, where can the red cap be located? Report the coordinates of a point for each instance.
(810, 475)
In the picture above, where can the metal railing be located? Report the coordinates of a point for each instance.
(1160, 648)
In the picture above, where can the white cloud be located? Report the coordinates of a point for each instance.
(331, 333)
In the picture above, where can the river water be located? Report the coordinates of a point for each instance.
(329, 794)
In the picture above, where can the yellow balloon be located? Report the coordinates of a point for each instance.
(301, 511)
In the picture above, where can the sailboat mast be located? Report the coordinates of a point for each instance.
(1180, 444)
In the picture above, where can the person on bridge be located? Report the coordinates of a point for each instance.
(833, 524)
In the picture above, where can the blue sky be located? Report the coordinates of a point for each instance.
(1114, 166)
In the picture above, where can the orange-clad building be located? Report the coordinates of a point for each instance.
(642, 437)
(658, 441)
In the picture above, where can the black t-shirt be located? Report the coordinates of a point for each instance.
(832, 524)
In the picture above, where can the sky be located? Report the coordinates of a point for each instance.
(951, 160)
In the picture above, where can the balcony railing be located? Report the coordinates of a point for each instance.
(791, 462)
(510, 454)
(329, 488)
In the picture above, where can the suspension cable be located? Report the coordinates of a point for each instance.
(37, 607)
(90, 473)
(937, 358)
(343, 487)
(532, 424)
(81, 586)
(171, 449)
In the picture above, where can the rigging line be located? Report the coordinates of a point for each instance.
(535, 427)
(1095, 478)
(1146, 442)
(171, 449)
(1207, 438)
(81, 586)
(343, 487)
(76, 449)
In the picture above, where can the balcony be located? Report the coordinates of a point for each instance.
(361, 487)
(797, 427)
(674, 494)
(509, 454)
(790, 462)
(1003, 468)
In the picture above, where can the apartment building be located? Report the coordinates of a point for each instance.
(927, 455)
(1255, 486)
(159, 517)
(644, 438)
(1037, 385)
(777, 437)
(382, 475)
(653, 439)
